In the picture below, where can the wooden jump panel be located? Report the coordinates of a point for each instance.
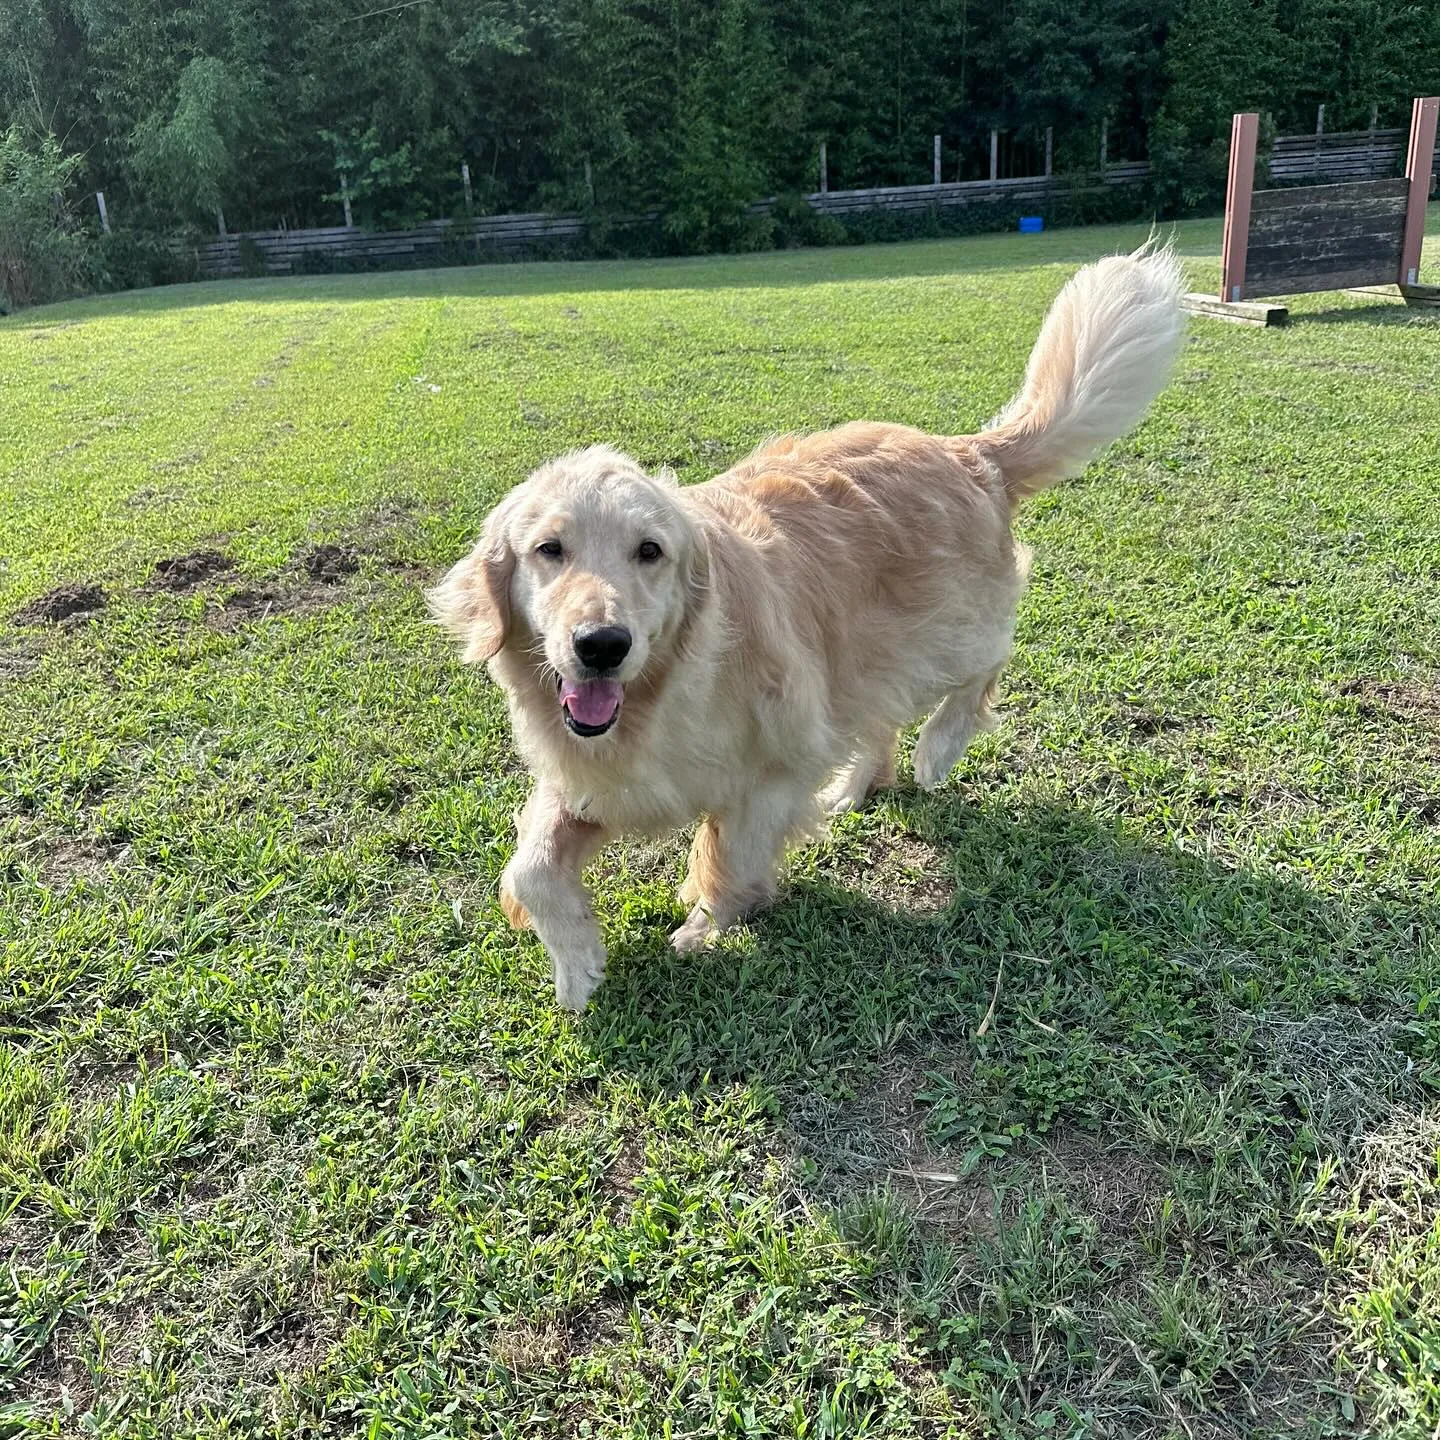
(1324, 237)
(1300, 237)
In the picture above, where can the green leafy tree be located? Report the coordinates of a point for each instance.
(691, 107)
(187, 156)
(716, 165)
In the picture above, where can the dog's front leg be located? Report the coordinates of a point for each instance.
(541, 890)
(735, 860)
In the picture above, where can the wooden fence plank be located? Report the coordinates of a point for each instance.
(1243, 312)
(1305, 209)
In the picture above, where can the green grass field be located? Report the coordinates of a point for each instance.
(1095, 1095)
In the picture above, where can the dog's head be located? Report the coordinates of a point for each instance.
(590, 570)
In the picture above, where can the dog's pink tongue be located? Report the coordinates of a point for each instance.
(591, 702)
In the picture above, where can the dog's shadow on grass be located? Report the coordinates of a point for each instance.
(1082, 1102)
(1083, 944)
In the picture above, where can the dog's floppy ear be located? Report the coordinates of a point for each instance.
(698, 580)
(473, 601)
(697, 572)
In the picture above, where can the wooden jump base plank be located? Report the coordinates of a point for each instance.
(1238, 312)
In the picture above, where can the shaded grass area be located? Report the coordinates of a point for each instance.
(1095, 1095)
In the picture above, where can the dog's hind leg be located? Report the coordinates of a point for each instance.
(541, 890)
(944, 736)
(735, 860)
(870, 768)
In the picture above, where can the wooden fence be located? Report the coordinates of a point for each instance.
(437, 242)
(1343, 156)
(965, 192)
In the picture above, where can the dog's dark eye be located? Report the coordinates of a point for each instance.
(649, 551)
(551, 549)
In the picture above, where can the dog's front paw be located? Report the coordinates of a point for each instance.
(841, 797)
(578, 977)
(696, 933)
(932, 766)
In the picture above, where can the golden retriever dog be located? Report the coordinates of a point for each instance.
(723, 650)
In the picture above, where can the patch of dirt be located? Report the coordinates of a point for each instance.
(618, 1181)
(292, 1352)
(878, 1140)
(94, 1082)
(1137, 721)
(388, 513)
(185, 572)
(66, 602)
(17, 664)
(1412, 703)
(246, 607)
(149, 495)
(67, 861)
(330, 564)
(186, 460)
(1112, 1184)
(900, 871)
(521, 1347)
(60, 1386)
(252, 604)
(858, 1142)
(596, 1327)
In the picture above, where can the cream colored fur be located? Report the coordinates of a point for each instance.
(810, 603)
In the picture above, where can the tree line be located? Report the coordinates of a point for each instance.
(184, 111)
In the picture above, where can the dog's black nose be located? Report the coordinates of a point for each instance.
(601, 647)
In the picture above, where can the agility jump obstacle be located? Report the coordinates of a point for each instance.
(1321, 237)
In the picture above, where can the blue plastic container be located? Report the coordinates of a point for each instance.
(1031, 224)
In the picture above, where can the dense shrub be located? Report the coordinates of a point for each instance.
(128, 259)
(797, 222)
(44, 254)
(251, 257)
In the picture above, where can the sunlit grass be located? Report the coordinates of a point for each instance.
(293, 1139)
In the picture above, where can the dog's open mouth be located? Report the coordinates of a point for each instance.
(590, 707)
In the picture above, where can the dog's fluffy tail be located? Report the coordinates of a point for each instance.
(1103, 355)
